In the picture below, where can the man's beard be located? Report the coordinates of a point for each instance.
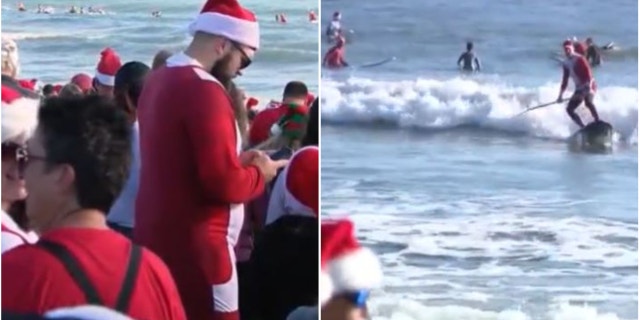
(221, 71)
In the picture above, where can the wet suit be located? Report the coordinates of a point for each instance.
(593, 55)
(470, 61)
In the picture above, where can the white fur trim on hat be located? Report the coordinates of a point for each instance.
(106, 79)
(19, 119)
(239, 30)
(326, 287)
(356, 270)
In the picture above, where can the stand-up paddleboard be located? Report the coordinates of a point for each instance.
(596, 137)
(375, 64)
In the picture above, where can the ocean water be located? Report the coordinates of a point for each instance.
(477, 214)
(54, 47)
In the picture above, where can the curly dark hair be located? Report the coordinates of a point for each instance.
(92, 135)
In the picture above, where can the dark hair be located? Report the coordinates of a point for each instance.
(93, 136)
(47, 89)
(469, 45)
(311, 136)
(129, 80)
(70, 90)
(295, 89)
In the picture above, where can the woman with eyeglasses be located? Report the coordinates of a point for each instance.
(19, 118)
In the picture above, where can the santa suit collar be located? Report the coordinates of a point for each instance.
(181, 59)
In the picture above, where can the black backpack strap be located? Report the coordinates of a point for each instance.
(124, 298)
(74, 269)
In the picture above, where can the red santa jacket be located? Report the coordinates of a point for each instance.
(577, 67)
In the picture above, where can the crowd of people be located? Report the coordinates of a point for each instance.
(160, 192)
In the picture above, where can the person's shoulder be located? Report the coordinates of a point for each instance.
(28, 260)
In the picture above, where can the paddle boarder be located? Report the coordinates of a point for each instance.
(334, 58)
(576, 66)
(335, 25)
(468, 60)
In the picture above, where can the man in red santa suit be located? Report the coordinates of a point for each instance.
(194, 178)
(577, 67)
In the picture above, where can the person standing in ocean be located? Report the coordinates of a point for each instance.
(468, 60)
(576, 66)
(194, 178)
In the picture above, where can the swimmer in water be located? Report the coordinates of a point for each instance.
(468, 60)
(312, 16)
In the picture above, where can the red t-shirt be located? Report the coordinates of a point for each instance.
(34, 281)
(261, 126)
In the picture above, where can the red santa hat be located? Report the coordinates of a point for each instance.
(251, 103)
(108, 67)
(301, 182)
(229, 19)
(19, 115)
(345, 265)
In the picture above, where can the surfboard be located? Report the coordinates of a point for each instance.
(596, 137)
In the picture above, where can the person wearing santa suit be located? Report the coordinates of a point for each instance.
(194, 178)
(106, 70)
(348, 272)
(296, 189)
(334, 58)
(291, 235)
(577, 67)
(19, 119)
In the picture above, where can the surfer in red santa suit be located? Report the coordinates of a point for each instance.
(194, 178)
(577, 67)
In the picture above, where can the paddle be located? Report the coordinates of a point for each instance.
(375, 64)
(540, 106)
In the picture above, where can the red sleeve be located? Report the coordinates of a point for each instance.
(211, 128)
(565, 78)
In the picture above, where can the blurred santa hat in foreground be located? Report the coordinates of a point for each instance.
(346, 266)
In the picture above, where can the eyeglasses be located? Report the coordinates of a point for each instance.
(24, 158)
(246, 61)
(357, 298)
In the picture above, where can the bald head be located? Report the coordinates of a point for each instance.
(160, 59)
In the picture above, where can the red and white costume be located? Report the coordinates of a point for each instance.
(296, 190)
(19, 118)
(345, 265)
(577, 67)
(190, 208)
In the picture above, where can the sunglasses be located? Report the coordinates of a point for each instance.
(10, 151)
(357, 298)
(246, 61)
